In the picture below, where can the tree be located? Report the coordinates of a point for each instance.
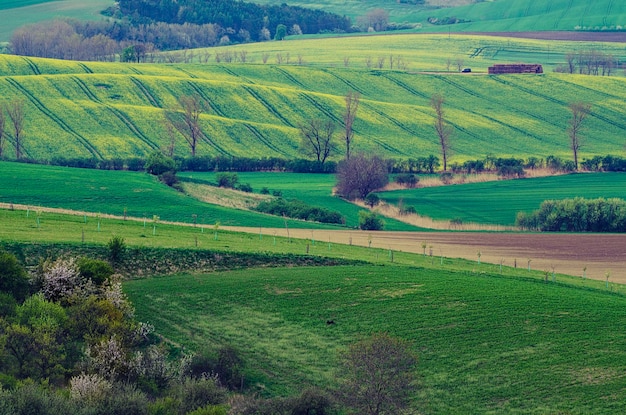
(579, 111)
(361, 175)
(281, 32)
(444, 131)
(317, 139)
(378, 375)
(16, 112)
(370, 221)
(13, 277)
(187, 120)
(352, 99)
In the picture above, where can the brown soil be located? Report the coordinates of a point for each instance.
(566, 253)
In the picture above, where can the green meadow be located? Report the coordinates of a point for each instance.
(486, 343)
(17, 13)
(140, 195)
(499, 202)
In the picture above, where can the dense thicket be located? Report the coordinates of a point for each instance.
(233, 15)
(299, 210)
(576, 215)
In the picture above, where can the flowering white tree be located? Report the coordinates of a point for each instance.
(61, 279)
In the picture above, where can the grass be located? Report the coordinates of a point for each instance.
(486, 344)
(117, 112)
(142, 196)
(17, 13)
(313, 189)
(499, 202)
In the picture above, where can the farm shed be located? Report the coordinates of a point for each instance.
(515, 68)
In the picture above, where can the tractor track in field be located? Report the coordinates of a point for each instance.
(59, 121)
(267, 105)
(253, 130)
(146, 92)
(345, 81)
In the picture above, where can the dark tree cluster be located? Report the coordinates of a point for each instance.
(300, 210)
(234, 16)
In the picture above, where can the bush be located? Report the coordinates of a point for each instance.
(407, 180)
(228, 180)
(299, 210)
(117, 249)
(158, 163)
(95, 270)
(265, 191)
(446, 177)
(245, 187)
(13, 277)
(408, 210)
(372, 200)
(576, 215)
(197, 393)
(369, 221)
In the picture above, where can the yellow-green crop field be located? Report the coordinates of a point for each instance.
(111, 110)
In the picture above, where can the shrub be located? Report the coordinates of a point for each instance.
(198, 393)
(245, 187)
(299, 210)
(229, 180)
(407, 180)
(13, 277)
(117, 249)
(277, 193)
(265, 191)
(408, 210)
(95, 270)
(369, 221)
(61, 280)
(446, 177)
(372, 200)
(158, 163)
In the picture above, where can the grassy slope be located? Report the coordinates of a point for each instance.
(17, 13)
(486, 344)
(111, 192)
(117, 110)
(498, 202)
(490, 16)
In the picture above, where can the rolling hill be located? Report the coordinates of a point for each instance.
(109, 110)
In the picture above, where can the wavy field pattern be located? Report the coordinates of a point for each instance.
(110, 110)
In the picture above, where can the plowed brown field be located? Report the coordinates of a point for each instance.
(567, 253)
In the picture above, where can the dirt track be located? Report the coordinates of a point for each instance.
(567, 253)
(581, 36)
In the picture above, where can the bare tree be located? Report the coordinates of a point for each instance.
(15, 110)
(378, 375)
(352, 100)
(579, 111)
(444, 131)
(187, 119)
(2, 131)
(317, 138)
(459, 63)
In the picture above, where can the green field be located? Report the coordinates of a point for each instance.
(17, 13)
(486, 344)
(499, 202)
(115, 110)
(141, 195)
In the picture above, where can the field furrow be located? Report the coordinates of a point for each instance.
(48, 113)
(85, 67)
(321, 108)
(267, 105)
(128, 122)
(146, 92)
(32, 66)
(345, 81)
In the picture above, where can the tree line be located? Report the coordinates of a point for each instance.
(590, 62)
(234, 16)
